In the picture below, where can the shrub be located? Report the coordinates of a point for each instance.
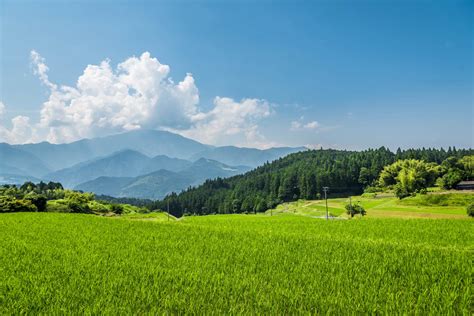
(10, 204)
(470, 210)
(450, 179)
(117, 208)
(355, 209)
(38, 200)
(98, 207)
(57, 206)
(372, 189)
(78, 207)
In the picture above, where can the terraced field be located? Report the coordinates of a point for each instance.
(443, 205)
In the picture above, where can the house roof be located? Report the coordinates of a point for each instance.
(466, 183)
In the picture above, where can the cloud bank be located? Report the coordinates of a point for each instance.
(138, 93)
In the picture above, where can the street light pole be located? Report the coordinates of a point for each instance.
(325, 189)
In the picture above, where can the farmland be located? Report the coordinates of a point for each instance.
(74, 263)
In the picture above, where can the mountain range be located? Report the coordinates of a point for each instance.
(159, 183)
(141, 163)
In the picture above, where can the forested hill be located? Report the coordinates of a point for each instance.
(299, 175)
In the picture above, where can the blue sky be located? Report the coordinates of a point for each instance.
(345, 74)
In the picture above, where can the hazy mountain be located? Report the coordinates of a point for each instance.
(14, 161)
(125, 163)
(147, 142)
(165, 162)
(204, 168)
(157, 184)
(253, 157)
(111, 186)
(6, 178)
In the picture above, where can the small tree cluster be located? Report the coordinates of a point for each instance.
(354, 209)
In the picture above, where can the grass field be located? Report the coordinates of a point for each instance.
(436, 205)
(72, 263)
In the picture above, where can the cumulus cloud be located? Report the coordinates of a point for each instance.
(138, 93)
(229, 118)
(20, 131)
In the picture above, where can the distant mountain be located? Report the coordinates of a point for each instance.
(150, 143)
(111, 186)
(165, 162)
(147, 142)
(14, 161)
(6, 178)
(157, 184)
(204, 168)
(125, 163)
(253, 157)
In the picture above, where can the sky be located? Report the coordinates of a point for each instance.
(341, 74)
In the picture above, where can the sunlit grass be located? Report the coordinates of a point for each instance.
(286, 264)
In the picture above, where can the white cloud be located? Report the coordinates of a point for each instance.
(40, 69)
(300, 125)
(311, 125)
(2, 108)
(229, 118)
(20, 131)
(138, 93)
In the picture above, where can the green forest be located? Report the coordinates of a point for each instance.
(304, 174)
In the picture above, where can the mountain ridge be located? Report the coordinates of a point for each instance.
(159, 183)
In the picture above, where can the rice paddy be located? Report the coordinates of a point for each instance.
(73, 263)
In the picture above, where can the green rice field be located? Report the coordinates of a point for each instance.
(54, 263)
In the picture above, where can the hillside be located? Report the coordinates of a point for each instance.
(300, 175)
(14, 161)
(448, 205)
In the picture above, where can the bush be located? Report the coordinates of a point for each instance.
(372, 189)
(98, 207)
(355, 209)
(78, 207)
(57, 206)
(450, 179)
(38, 200)
(117, 208)
(10, 204)
(470, 210)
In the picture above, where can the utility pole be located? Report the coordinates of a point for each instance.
(350, 205)
(325, 189)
